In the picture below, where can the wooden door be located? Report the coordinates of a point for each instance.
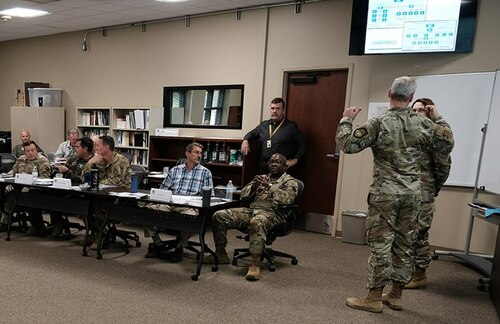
(316, 101)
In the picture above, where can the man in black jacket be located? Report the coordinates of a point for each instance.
(277, 135)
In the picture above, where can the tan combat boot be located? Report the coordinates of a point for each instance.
(371, 303)
(393, 298)
(253, 273)
(221, 255)
(418, 280)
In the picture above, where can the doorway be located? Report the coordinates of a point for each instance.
(316, 102)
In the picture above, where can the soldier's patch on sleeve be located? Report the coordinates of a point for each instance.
(360, 132)
(447, 134)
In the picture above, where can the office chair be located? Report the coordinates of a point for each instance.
(279, 230)
(128, 156)
(112, 232)
(7, 161)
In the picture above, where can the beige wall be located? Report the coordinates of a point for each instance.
(129, 67)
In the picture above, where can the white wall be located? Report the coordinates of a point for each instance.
(129, 67)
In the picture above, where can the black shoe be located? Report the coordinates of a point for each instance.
(3, 228)
(175, 255)
(58, 229)
(154, 251)
(33, 230)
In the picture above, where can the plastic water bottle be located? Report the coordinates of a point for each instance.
(229, 190)
(34, 173)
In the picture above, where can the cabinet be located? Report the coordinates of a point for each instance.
(166, 150)
(45, 124)
(93, 121)
(131, 128)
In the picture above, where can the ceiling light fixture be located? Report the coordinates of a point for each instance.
(23, 12)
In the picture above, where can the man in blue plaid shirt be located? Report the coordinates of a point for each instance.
(185, 179)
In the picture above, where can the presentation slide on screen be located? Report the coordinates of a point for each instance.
(406, 26)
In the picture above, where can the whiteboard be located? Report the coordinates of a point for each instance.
(489, 176)
(464, 102)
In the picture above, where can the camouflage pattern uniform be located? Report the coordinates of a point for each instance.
(23, 165)
(262, 214)
(397, 139)
(435, 171)
(115, 172)
(75, 167)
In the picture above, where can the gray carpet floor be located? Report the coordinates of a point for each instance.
(48, 281)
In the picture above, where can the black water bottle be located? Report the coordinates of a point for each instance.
(94, 177)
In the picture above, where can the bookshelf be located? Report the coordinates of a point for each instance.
(131, 128)
(93, 120)
(166, 150)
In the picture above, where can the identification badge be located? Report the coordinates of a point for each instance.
(268, 143)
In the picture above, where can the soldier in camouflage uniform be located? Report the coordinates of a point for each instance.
(25, 164)
(72, 170)
(114, 169)
(397, 139)
(265, 192)
(432, 181)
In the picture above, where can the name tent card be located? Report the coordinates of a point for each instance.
(62, 183)
(23, 178)
(160, 194)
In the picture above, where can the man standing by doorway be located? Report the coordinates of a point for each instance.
(277, 135)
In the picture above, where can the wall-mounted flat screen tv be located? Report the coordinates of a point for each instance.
(412, 26)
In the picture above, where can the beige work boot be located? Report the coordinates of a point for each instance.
(221, 255)
(371, 302)
(253, 273)
(418, 280)
(393, 298)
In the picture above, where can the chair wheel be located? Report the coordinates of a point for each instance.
(194, 277)
(435, 256)
(138, 244)
(85, 253)
(127, 251)
(99, 257)
(272, 268)
(215, 268)
(7, 238)
(234, 262)
(295, 261)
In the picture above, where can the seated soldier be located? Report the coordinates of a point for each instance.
(25, 164)
(114, 169)
(72, 170)
(186, 179)
(265, 193)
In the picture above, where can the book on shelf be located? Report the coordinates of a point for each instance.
(121, 122)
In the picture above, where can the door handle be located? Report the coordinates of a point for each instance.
(334, 156)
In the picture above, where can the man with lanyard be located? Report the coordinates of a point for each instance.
(277, 135)
(185, 179)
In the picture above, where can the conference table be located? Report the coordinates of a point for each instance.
(122, 206)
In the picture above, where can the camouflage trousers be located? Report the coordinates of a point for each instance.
(257, 221)
(421, 247)
(390, 232)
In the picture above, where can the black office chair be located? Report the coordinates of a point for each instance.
(112, 232)
(7, 161)
(279, 230)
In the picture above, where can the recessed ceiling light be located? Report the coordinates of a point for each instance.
(172, 0)
(23, 12)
